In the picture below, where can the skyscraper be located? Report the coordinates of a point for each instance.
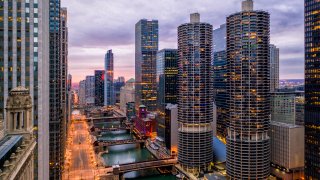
(195, 107)
(90, 90)
(274, 68)
(220, 95)
(248, 143)
(127, 94)
(24, 60)
(64, 78)
(146, 44)
(287, 150)
(283, 107)
(56, 117)
(219, 39)
(117, 85)
(82, 93)
(167, 89)
(312, 89)
(99, 87)
(108, 79)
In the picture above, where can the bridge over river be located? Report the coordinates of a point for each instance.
(116, 171)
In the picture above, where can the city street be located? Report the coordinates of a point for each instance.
(80, 160)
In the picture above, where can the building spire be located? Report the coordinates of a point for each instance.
(247, 5)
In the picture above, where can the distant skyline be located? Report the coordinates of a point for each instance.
(101, 25)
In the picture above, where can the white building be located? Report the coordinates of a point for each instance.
(127, 94)
(287, 150)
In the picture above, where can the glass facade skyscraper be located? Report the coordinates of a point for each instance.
(219, 39)
(167, 89)
(220, 95)
(312, 89)
(274, 68)
(64, 78)
(146, 47)
(195, 101)
(108, 79)
(248, 143)
(56, 151)
(24, 61)
(99, 87)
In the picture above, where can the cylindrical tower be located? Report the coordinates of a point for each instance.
(248, 144)
(195, 108)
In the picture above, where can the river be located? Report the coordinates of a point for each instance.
(122, 154)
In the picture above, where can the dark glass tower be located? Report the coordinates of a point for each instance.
(312, 89)
(56, 148)
(99, 87)
(167, 92)
(195, 102)
(220, 95)
(248, 143)
(146, 39)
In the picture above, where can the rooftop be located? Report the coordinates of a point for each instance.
(285, 125)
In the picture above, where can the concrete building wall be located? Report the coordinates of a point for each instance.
(43, 101)
(127, 94)
(287, 145)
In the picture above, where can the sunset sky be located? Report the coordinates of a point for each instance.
(98, 25)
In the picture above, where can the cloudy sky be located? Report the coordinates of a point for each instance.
(98, 25)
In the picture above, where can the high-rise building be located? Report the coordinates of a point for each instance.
(248, 143)
(108, 79)
(220, 95)
(56, 151)
(82, 93)
(130, 111)
(274, 68)
(167, 88)
(171, 123)
(195, 102)
(24, 60)
(287, 150)
(90, 90)
(287, 107)
(283, 107)
(99, 87)
(146, 47)
(219, 39)
(300, 101)
(69, 83)
(312, 89)
(64, 79)
(117, 85)
(121, 79)
(127, 94)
